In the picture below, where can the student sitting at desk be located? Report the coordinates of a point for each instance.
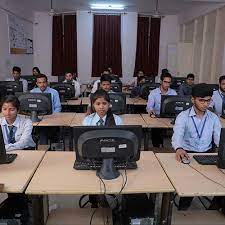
(16, 129)
(195, 129)
(35, 71)
(218, 98)
(16, 73)
(42, 83)
(102, 116)
(154, 104)
(185, 88)
(76, 84)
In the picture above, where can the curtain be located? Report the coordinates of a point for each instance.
(147, 53)
(57, 46)
(64, 45)
(106, 44)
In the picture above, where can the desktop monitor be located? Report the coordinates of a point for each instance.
(177, 81)
(108, 146)
(172, 105)
(114, 78)
(118, 102)
(35, 104)
(214, 87)
(5, 158)
(31, 80)
(116, 87)
(149, 79)
(146, 88)
(66, 90)
(221, 151)
(11, 87)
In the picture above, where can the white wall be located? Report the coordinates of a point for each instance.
(7, 60)
(42, 30)
(169, 35)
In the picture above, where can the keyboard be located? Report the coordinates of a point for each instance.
(8, 158)
(94, 165)
(206, 159)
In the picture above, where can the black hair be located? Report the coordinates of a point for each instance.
(201, 90)
(191, 75)
(164, 71)
(221, 78)
(36, 68)
(11, 99)
(164, 75)
(17, 69)
(42, 76)
(105, 77)
(109, 116)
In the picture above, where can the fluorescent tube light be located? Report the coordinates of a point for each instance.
(107, 6)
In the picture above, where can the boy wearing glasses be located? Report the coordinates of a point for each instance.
(154, 104)
(195, 129)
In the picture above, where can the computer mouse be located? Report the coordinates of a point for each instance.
(185, 160)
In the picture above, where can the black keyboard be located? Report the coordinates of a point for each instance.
(206, 159)
(94, 165)
(8, 158)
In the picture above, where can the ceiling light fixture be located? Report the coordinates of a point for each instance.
(107, 6)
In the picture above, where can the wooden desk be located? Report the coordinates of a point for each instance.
(56, 119)
(128, 119)
(222, 121)
(140, 101)
(156, 122)
(188, 182)
(16, 176)
(72, 102)
(148, 178)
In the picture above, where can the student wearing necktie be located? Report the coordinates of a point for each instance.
(17, 130)
(218, 98)
(196, 129)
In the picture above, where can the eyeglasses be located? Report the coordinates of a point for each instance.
(202, 100)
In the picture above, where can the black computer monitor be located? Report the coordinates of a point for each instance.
(35, 104)
(221, 151)
(116, 87)
(149, 79)
(114, 78)
(214, 87)
(107, 145)
(11, 87)
(177, 81)
(66, 90)
(146, 88)
(31, 80)
(172, 105)
(118, 102)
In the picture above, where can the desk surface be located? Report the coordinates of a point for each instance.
(16, 176)
(140, 101)
(156, 122)
(56, 175)
(188, 182)
(128, 119)
(56, 119)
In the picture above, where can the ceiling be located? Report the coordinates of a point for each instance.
(168, 7)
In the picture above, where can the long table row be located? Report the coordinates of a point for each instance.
(41, 173)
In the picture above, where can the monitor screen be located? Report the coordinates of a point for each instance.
(116, 87)
(31, 80)
(177, 81)
(35, 104)
(114, 144)
(66, 90)
(146, 88)
(149, 79)
(221, 151)
(115, 78)
(11, 87)
(214, 87)
(118, 102)
(171, 106)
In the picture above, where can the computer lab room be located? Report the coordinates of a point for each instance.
(112, 112)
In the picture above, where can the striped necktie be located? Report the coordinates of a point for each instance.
(11, 136)
(100, 122)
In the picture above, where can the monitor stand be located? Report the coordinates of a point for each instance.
(34, 116)
(108, 170)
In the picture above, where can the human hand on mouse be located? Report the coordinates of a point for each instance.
(180, 154)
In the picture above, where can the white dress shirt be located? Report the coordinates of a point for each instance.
(95, 86)
(217, 101)
(23, 133)
(92, 120)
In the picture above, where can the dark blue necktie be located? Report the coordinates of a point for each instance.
(100, 122)
(11, 136)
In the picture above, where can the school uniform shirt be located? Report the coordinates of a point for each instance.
(95, 86)
(195, 134)
(56, 105)
(93, 119)
(217, 101)
(22, 131)
(76, 86)
(154, 99)
(24, 82)
(185, 89)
